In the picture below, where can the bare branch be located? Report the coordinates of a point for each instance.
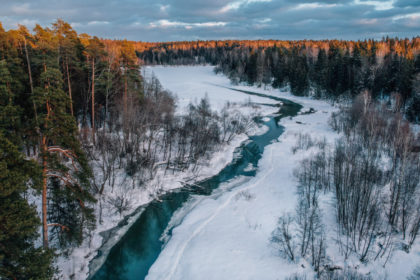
(67, 153)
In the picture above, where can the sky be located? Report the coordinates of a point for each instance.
(176, 20)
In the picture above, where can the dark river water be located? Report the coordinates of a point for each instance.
(133, 255)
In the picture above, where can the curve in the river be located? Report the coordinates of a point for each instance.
(133, 255)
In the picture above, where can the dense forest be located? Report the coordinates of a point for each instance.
(53, 83)
(324, 69)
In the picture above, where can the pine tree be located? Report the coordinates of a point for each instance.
(19, 259)
(413, 111)
(94, 51)
(63, 162)
(69, 45)
(320, 72)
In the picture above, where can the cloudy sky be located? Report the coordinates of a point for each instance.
(170, 20)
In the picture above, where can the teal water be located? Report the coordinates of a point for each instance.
(138, 249)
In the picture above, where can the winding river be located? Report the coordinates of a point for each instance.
(133, 255)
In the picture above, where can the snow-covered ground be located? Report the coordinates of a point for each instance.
(227, 235)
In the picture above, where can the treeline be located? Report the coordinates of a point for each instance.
(373, 175)
(325, 69)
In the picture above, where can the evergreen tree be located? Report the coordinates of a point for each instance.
(62, 159)
(320, 72)
(69, 54)
(94, 52)
(413, 111)
(19, 259)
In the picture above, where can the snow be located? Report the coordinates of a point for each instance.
(190, 84)
(227, 235)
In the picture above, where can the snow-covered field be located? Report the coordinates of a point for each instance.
(191, 83)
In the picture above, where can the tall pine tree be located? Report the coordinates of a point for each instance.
(64, 165)
(19, 258)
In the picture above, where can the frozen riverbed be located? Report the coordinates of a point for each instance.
(191, 83)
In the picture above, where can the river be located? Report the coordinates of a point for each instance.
(133, 255)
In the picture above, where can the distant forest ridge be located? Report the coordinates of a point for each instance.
(324, 69)
(316, 44)
(321, 68)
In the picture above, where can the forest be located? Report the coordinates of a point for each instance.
(329, 69)
(76, 118)
(54, 84)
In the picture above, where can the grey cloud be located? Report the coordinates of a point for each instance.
(407, 3)
(164, 20)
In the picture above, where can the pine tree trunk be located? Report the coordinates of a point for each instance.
(69, 86)
(44, 149)
(44, 193)
(125, 95)
(29, 67)
(93, 100)
(125, 113)
(28, 62)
